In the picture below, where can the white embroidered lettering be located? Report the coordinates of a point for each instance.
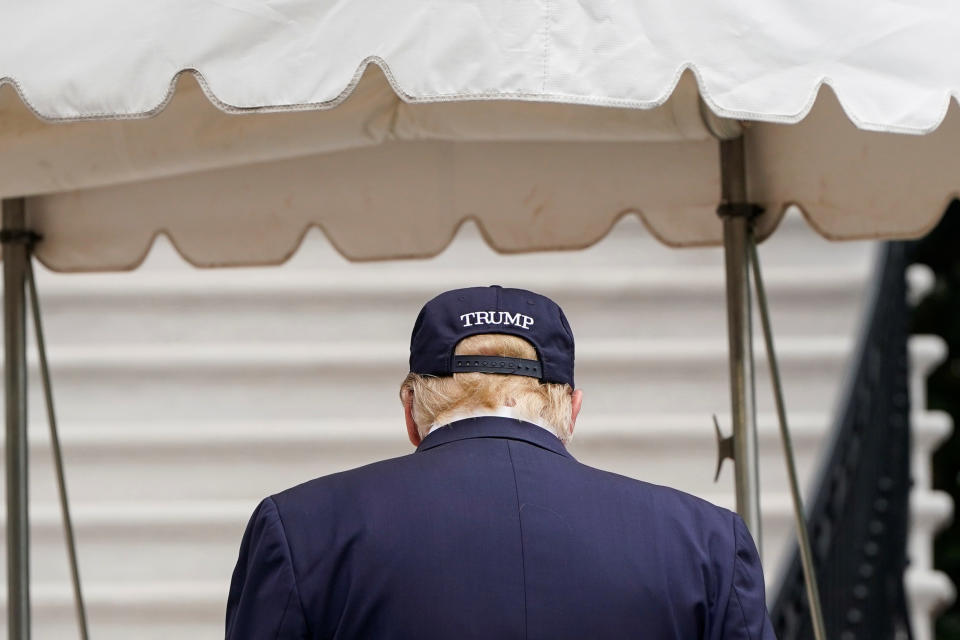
(513, 319)
(497, 317)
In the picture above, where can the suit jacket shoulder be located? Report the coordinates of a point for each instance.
(493, 530)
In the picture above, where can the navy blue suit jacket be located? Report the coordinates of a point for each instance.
(491, 530)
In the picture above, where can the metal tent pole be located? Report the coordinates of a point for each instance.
(803, 538)
(71, 539)
(736, 213)
(740, 253)
(15, 385)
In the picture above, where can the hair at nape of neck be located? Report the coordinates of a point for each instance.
(437, 399)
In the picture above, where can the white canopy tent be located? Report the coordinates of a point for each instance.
(234, 126)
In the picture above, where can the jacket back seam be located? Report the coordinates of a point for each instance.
(523, 560)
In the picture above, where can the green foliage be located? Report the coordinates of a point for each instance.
(939, 313)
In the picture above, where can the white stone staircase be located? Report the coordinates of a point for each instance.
(184, 396)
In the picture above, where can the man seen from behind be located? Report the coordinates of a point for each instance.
(491, 530)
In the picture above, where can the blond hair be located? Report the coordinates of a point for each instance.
(437, 399)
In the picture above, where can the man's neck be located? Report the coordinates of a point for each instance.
(502, 412)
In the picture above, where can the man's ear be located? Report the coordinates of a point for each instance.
(576, 400)
(412, 431)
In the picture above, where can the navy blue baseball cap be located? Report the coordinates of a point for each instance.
(454, 315)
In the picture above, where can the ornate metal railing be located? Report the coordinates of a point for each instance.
(858, 519)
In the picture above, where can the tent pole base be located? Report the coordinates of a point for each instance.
(15, 388)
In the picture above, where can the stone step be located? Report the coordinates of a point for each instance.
(225, 460)
(287, 306)
(292, 307)
(145, 383)
(147, 610)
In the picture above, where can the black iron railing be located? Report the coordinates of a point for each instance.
(858, 519)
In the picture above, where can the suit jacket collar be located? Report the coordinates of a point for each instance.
(494, 427)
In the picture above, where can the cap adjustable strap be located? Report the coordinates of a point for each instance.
(496, 364)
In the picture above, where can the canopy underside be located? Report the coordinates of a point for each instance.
(494, 112)
(385, 179)
(404, 198)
